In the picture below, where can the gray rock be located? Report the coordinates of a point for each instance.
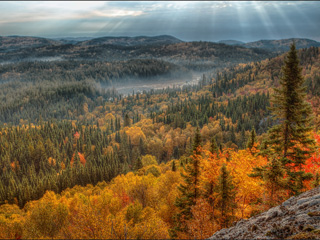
(283, 221)
(303, 200)
(314, 202)
(288, 202)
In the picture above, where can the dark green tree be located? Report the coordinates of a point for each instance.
(316, 181)
(273, 175)
(138, 164)
(196, 141)
(189, 189)
(226, 192)
(252, 139)
(127, 121)
(173, 167)
(213, 146)
(290, 139)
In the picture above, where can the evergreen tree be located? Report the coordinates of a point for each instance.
(189, 189)
(252, 139)
(226, 193)
(142, 147)
(173, 169)
(127, 121)
(273, 175)
(316, 181)
(232, 135)
(138, 165)
(196, 141)
(290, 138)
(243, 138)
(213, 146)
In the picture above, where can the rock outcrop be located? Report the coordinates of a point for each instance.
(296, 218)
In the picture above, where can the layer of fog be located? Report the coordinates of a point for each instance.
(34, 59)
(156, 83)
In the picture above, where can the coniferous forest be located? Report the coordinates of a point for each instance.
(153, 137)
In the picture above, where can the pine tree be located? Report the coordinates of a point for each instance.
(142, 147)
(243, 138)
(316, 181)
(127, 121)
(232, 135)
(189, 189)
(213, 146)
(226, 193)
(196, 141)
(252, 139)
(290, 139)
(273, 176)
(173, 168)
(138, 165)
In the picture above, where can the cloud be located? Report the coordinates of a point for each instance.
(189, 20)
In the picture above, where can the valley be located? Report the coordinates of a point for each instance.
(98, 134)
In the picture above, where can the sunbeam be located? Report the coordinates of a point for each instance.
(189, 20)
(265, 20)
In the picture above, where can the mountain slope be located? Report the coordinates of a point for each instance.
(132, 41)
(194, 55)
(282, 44)
(12, 43)
(231, 42)
(297, 218)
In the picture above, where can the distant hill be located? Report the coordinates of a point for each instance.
(231, 42)
(282, 44)
(193, 55)
(132, 41)
(11, 43)
(72, 40)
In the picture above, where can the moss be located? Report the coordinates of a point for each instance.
(314, 214)
(315, 234)
(254, 228)
(269, 234)
(308, 228)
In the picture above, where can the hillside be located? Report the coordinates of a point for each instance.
(296, 218)
(13, 43)
(282, 44)
(231, 42)
(199, 56)
(132, 41)
(64, 129)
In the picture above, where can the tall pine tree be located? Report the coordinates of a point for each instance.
(290, 140)
(227, 195)
(189, 189)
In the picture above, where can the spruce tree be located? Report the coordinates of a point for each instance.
(213, 146)
(196, 141)
(316, 181)
(273, 175)
(138, 164)
(226, 193)
(127, 121)
(290, 139)
(173, 167)
(252, 139)
(243, 138)
(189, 189)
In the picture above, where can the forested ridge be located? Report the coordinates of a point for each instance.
(164, 163)
(198, 56)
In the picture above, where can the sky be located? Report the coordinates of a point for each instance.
(187, 20)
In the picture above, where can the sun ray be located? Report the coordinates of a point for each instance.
(266, 22)
(287, 21)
